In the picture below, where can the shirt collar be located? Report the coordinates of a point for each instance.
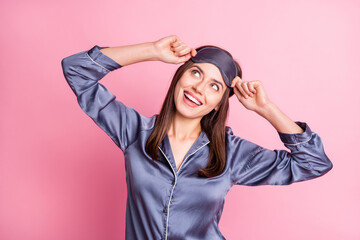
(165, 147)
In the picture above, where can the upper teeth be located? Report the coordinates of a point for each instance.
(192, 99)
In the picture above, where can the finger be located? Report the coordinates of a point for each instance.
(243, 93)
(173, 39)
(176, 43)
(177, 50)
(246, 89)
(252, 87)
(235, 80)
(184, 51)
(183, 58)
(179, 47)
(193, 52)
(239, 95)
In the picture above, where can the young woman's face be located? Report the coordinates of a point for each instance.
(199, 90)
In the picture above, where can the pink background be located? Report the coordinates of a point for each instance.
(62, 177)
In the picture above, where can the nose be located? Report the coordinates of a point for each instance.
(200, 86)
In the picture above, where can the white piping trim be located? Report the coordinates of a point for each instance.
(172, 190)
(97, 63)
(294, 144)
(192, 154)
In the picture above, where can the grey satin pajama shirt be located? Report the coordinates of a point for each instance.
(166, 203)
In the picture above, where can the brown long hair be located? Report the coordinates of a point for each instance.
(213, 124)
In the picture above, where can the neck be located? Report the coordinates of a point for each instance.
(184, 128)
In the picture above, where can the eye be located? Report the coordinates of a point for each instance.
(215, 86)
(195, 71)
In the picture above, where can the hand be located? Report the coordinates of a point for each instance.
(251, 94)
(171, 50)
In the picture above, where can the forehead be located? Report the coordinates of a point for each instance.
(209, 70)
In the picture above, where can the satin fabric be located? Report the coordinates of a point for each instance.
(166, 203)
(223, 61)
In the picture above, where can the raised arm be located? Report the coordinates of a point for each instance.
(254, 165)
(83, 70)
(169, 50)
(253, 97)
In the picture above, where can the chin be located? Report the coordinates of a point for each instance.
(186, 112)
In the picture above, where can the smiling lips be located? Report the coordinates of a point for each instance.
(192, 99)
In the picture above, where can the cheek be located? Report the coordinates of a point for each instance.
(177, 93)
(183, 82)
(213, 99)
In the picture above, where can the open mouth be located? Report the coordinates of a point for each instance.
(192, 99)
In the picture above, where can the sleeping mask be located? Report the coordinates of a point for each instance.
(222, 60)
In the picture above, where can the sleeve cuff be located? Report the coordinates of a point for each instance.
(297, 138)
(101, 59)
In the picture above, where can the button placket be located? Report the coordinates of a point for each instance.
(171, 194)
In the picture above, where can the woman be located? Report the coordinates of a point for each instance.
(181, 163)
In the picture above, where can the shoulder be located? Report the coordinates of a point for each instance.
(228, 131)
(144, 122)
(231, 139)
(237, 146)
(148, 123)
(230, 136)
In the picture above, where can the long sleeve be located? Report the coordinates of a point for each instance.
(254, 165)
(82, 72)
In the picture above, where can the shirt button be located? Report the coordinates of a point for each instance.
(165, 210)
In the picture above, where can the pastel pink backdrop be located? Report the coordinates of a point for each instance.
(62, 177)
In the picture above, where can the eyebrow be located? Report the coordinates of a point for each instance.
(217, 81)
